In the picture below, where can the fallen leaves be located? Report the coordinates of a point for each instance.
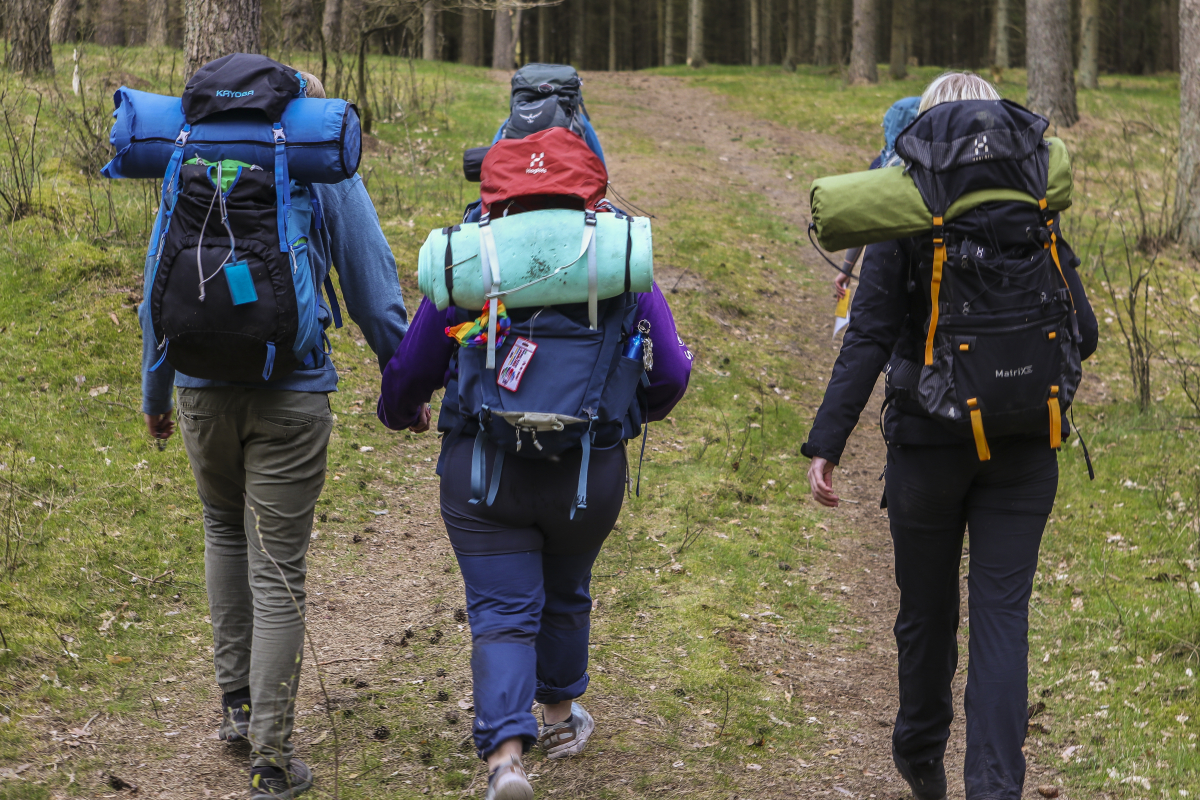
(97, 391)
(117, 660)
(1048, 791)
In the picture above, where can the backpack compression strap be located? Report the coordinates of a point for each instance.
(283, 190)
(935, 287)
(489, 263)
(449, 231)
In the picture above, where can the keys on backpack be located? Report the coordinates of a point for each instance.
(647, 345)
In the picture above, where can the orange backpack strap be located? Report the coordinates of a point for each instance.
(935, 286)
(1055, 419)
(981, 445)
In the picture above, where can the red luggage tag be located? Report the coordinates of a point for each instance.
(515, 364)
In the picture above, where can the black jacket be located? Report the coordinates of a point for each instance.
(889, 314)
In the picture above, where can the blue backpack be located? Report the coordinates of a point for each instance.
(233, 294)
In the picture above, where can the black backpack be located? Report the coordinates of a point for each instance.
(1002, 341)
(545, 96)
(233, 294)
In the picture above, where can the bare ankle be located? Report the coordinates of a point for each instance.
(508, 749)
(555, 713)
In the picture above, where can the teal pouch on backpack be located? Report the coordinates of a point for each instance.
(241, 284)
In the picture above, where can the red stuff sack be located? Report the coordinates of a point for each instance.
(554, 163)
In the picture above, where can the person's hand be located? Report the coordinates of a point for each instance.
(820, 479)
(423, 424)
(842, 281)
(160, 426)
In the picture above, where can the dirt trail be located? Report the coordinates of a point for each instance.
(355, 619)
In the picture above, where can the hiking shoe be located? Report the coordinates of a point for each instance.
(273, 783)
(235, 719)
(569, 737)
(927, 779)
(508, 782)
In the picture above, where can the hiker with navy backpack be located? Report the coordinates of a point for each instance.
(980, 327)
(233, 318)
(555, 347)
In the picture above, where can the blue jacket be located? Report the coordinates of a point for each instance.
(350, 239)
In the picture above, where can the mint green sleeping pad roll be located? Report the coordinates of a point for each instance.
(879, 205)
(541, 262)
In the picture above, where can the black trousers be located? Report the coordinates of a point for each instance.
(933, 495)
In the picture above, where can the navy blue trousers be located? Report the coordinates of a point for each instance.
(933, 495)
(526, 567)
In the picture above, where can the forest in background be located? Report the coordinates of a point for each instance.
(1135, 36)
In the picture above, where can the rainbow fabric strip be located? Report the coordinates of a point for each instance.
(474, 333)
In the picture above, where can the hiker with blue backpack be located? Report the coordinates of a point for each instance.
(896, 119)
(980, 327)
(233, 319)
(555, 347)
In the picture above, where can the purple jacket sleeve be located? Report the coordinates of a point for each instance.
(672, 359)
(418, 368)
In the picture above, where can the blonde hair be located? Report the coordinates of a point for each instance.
(314, 87)
(951, 86)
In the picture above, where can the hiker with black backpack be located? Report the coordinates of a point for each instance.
(233, 318)
(980, 328)
(574, 351)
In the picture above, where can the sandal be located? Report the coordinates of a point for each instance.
(509, 782)
(569, 737)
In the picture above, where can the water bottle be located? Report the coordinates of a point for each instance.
(634, 346)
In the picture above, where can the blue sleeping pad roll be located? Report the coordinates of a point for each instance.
(324, 140)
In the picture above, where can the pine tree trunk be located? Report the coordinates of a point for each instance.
(472, 34)
(1187, 196)
(158, 18)
(1168, 46)
(28, 23)
(822, 49)
(612, 35)
(578, 31)
(1000, 60)
(1048, 61)
(543, 35)
(902, 12)
(501, 37)
(755, 33)
(429, 31)
(767, 50)
(695, 40)
(791, 55)
(1089, 44)
(862, 50)
(669, 33)
(62, 21)
(331, 24)
(215, 28)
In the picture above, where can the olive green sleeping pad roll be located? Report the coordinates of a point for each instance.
(541, 259)
(879, 205)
